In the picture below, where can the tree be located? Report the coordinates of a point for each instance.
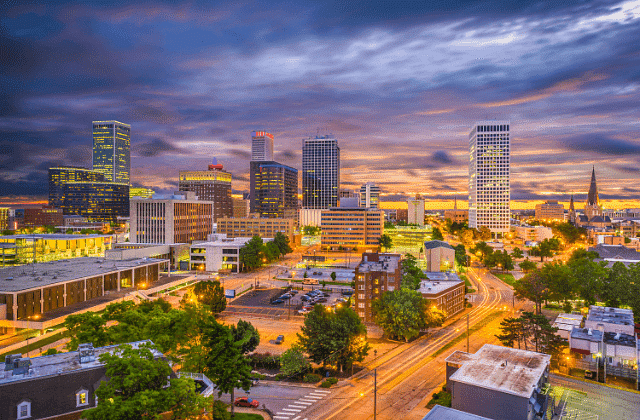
(211, 293)
(334, 337)
(436, 235)
(411, 273)
(251, 253)
(271, 251)
(484, 233)
(533, 288)
(247, 335)
(400, 314)
(385, 241)
(333, 276)
(460, 254)
(569, 233)
(481, 250)
(311, 230)
(560, 281)
(282, 242)
(293, 363)
(87, 327)
(528, 266)
(511, 332)
(517, 253)
(616, 286)
(434, 317)
(137, 388)
(224, 362)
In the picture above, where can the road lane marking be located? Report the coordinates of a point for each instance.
(323, 392)
(295, 410)
(314, 397)
(296, 406)
(295, 418)
(308, 401)
(304, 402)
(280, 417)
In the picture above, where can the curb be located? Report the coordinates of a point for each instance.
(562, 375)
(282, 383)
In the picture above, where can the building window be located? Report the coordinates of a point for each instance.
(24, 410)
(360, 296)
(360, 305)
(82, 398)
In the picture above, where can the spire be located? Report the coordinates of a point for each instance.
(455, 203)
(571, 206)
(592, 198)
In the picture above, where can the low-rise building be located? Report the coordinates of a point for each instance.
(376, 274)
(254, 225)
(351, 228)
(616, 253)
(439, 412)
(219, 253)
(240, 208)
(170, 219)
(533, 233)
(550, 210)
(438, 256)
(25, 249)
(310, 217)
(43, 216)
(46, 287)
(130, 250)
(565, 323)
(457, 216)
(615, 320)
(500, 383)
(443, 290)
(409, 239)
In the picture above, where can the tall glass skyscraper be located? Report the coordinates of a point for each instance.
(489, 176)
(274, 190)
(320, 172)
(261, 146)
(61, 175)
(111, 150)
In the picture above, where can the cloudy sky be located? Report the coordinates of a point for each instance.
(399, 83)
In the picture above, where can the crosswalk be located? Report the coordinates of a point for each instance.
(293, 410)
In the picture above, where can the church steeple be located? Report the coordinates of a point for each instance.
(571, 206)
(592, 198)
(455, 203)
(572, 211)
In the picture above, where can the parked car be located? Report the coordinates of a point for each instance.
(321, 300)
(303, 311)
(293, 292)
(246, 402)
(285, 297)
(280, 339)
(277, 301)
(305, 298)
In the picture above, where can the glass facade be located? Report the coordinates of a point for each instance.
(111, 150)
(60, 176)
(97, 201)
(489, 176)
(274, 190)
(320, 172)
(212, 185)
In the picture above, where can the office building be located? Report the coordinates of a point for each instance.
(4, 217)
(550, 210)
(415, 211)
(140, 192)
(320, 172)
(499, 383)
(26, 249)
(97, 201)
(409, 239)
(43, 216)
(351, 228)
(369, 195)
(213, 185)
(254, 225)
(170, 219)
(59, 176)
(310, 217)
(533, 233)
(274, 190)
(241, 207)
(47, 287)
(261, 146)
(218, 253)
(489, 176)
(445, 291)
(438, 256)
(376, 274)
(111, 150)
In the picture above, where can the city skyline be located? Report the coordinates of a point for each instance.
(399, 87)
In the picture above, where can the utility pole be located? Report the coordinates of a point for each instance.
(375, 392)
(467, 333)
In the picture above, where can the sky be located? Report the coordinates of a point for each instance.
(398, 83)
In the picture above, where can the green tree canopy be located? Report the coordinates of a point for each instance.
(460, 254)
(282, 242)
(517, 253)
(411, 273)
(527, 266)
(436, 235)
(400, 313)
(385, 241)
(247, 335)
(251, 253)
(211, 293)
(293, 363)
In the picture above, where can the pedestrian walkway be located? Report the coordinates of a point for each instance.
(294, 410)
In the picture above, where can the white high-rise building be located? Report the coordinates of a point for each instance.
(261, 146)
(415, 211)
(369, 195)
(489, 176)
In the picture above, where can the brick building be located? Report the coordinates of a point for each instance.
(376, 274)
(445, 291)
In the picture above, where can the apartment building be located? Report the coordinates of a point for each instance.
(376, 274)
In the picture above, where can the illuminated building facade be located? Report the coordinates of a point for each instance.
(261, 146)
(111, 150)
(4, 218)
(251, 226)
(369, 195)
(97, 201)
(274, 190)
(320, 172)
(26, 249)
(61, 175)
(489, 176)
(212, 185)
(377, 273)
(140, 192)
(170, 219)
(550, 210)
(351, 228)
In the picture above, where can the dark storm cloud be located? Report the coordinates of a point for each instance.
(601, 143)
(442, 157)
(157, 147)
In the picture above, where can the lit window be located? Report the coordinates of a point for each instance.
(24, 410)
(82, 398)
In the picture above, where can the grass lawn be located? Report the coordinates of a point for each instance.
(442, 398)
(247, 416)
(506, 277)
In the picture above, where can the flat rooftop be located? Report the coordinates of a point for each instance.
(54, 236)
(610, 315)
(589, 334)
(503, 369)
(445, 413)
(388, 263)
(24, 277)
(62, 362)
(459, 357)
(438, 282)
(239, 241)
(620, 339)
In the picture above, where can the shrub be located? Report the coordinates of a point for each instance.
(265, 360)
(312, 378)
(328, 382)
(567, 307)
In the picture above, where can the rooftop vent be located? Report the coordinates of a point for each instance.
(589, 332)
(86, 353)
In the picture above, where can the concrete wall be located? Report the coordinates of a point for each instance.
(488, 403)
